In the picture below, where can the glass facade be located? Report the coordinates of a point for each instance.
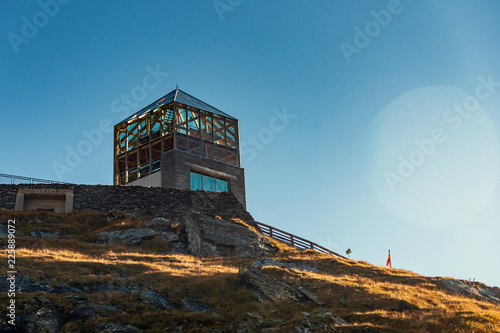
(196, 181)
(207, 183)
(176, 121)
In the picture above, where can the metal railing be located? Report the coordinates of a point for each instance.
(13, 180)
(292, 240)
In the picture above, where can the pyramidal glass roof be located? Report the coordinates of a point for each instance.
(181, 97)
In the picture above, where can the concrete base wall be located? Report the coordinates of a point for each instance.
(176, 166)
(153, 180)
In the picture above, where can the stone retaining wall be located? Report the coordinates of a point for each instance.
(148, 201)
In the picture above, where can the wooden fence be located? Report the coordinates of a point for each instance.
(293, 240)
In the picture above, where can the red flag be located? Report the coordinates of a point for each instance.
(389, 264)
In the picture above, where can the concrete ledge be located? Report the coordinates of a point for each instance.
(57, 200)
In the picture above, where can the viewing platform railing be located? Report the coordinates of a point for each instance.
(13, 180)
(292, 240)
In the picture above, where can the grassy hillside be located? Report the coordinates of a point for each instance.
(73, 271)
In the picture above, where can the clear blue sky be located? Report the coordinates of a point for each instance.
(392, 135)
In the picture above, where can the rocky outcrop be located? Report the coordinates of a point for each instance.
(197, 234)
(212, 236)
(462, 288)
(271, 289)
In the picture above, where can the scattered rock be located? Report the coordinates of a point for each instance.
(252, 315)
(61, 285)
(116, 214)
(337, 320)
(75, 290)
(267, 288)
(128, 237)
(42, 299)
(3, 232)
(154, 299)
(260, 263)
(167, 236)
(115, 328)
(194, 306)
(311, 296)
(93, 311)
(77, 298)
(41, 234)
(42, 320)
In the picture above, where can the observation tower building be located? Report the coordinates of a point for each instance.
(179, 142)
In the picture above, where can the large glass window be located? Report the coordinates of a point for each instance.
(207, 183)
(121, 139)
(221, 185)
(132, 165)
(231, 133)
(168, 120)
(155, 155)
(219, 130)
(180, 119)
(196, 181)
(143, 130)
(193, 122)
(144, 160)
(132, 135)
(206, 126)
(155, 124)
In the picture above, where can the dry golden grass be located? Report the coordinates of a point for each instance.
(367, 296)
(175, 265)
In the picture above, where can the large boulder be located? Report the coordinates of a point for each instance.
(212, 236)
(159, 224)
